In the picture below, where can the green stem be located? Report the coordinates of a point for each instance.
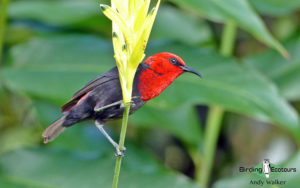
(213, 127)
(215, 115)
(228, 38)
(121, 145)
(3, 10)
(197, 159)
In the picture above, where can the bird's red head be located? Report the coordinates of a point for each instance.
(164, 63)
(163, 69)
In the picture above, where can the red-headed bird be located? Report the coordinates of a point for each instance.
(101, 98)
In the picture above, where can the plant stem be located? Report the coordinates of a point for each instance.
(215, 114)
(3, 10)
(228, 38)
(213, 127)
(121, 145)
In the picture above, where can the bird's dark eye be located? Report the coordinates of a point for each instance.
(174, 61)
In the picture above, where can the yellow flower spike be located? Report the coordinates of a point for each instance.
(118, 20)
(132, 24)
(137, 5)
(145, 32)
(142, 14)
(130, 7)
(121, 7)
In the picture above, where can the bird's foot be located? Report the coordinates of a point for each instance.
(120, 152)
(132, 104)
(121, 103)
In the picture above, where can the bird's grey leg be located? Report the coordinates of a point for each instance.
(120, 153)
(121, 103)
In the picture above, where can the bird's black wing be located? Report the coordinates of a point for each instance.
(99, 80)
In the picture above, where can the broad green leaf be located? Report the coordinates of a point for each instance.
(179, 121)
(79, 14)
(6, 182)
(190, 30)
(226, 83)
(86, 14)
(238, 11)
(26, 136)
(78, 59)
(243, 180)
(285, 73)
(59, 58)
(61, 168)
(276, 7)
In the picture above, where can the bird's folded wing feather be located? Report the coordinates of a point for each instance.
(106, 77)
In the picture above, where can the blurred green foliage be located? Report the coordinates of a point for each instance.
(53, 47)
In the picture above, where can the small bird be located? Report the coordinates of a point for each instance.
(101, 98)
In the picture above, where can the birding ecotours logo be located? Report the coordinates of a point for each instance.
(266, 168)
(267, 173)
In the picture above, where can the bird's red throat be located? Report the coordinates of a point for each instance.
(152, 83)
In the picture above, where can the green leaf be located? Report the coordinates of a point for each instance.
(6, 182)
(226, 83)
(181, 121)
(80, 14)
(65, 63)
(87, 14)
(285, 73)
(190, 30)
(238, 11)
(26, 136)
(61, 168)
(291, 178)
(276, 7)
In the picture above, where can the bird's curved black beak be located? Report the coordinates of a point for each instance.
(188, 69)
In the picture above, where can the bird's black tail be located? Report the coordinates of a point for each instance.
(54, 130)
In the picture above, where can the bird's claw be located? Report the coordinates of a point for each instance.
(121, 103)
(120, 152)
(132, 104)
